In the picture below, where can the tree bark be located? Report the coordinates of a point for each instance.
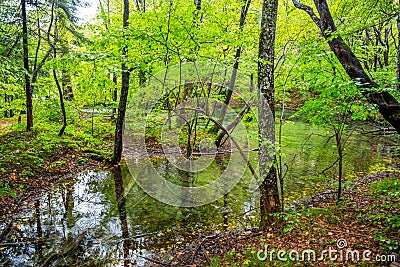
(269, 196)
(398, 51)
(119, 128)
(114, 95)
(28, 89)
(339, 147)
(388, 106)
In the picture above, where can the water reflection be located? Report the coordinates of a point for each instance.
(104, 219)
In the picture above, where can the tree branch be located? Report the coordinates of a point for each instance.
(307, 9)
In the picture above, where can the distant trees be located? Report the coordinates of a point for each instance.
(32, 24)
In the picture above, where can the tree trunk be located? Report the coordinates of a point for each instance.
(220, 138)
(228, 96)
(366, 45)
(398, 51)
(269, 196)
(5, 110)
(339, 146)
(387, 48)
(388, 106)
(123, 96)
(114, 95)
(60, 91)
(28, 89)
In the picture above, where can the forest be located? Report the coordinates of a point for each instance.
(199, 133)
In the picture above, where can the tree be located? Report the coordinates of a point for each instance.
(334, 108)
(388, 106)
(28, 88)
(269, 195)
(398, 50)
(124, 94)
(60, 92)
(32, 74)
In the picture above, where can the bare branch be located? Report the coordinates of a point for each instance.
(307, 9)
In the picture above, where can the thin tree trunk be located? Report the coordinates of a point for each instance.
(8, 99)
(115, 95)
(64, 115)
(219, 141)
(228, 96)
(387, 48)
(59, 88)
(366, 45)
(28, 89)
(5, 110)
(340, 153)
(269, 196)
(398, 51)
(123, 96)
(388, 106)
(60, 93)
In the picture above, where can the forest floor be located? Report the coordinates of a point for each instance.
(366, 219)
(33, 162)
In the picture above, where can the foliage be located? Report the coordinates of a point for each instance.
(319, 227)
(335, 106)
(387, 187)
(7, 190)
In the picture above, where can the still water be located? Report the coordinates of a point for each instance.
(102, 218)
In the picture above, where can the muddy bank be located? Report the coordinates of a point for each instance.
(33, 163)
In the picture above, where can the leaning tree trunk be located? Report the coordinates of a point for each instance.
(269, 196)
(388, 106)
(243, 15)
(28, 89)
(232, 81)
(123, 96)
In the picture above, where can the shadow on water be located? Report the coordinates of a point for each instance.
(103, 218)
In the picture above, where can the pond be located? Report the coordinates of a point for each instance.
(103, 218)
